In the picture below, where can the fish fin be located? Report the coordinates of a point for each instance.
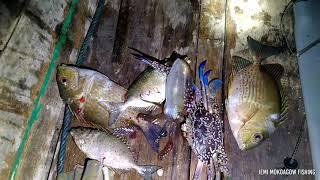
(262, 51)
(214, 85)
(116, 109)
(102, 128)
(247, 111)
(117, 171)
(201, 69)
(78, 170)
(153, 134)
(107, 173)
(239, 63)
(155, 63)
(66, 175)
(274, 70)
(143, 56)
(129, 132)
(153, 108)
(284, 106)
(173, 57)
(93, 170)
(146, 171)
(206, 78)
(148, 95)
(284, 110)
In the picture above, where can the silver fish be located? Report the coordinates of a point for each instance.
(145, 95)
(109, 150)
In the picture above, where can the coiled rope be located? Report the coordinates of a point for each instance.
(82, 57)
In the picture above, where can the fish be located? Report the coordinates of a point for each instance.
(111, 151)
(162, 65)
(95, 99)
(179, 79)
(145, 96)
(90, 95)
(203, 130)
(256, 103)
(146, 93)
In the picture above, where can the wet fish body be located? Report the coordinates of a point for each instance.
(255, 101)
(90, 95)
(146, 93)
(145, 96)
(178, 80)
(110, 150)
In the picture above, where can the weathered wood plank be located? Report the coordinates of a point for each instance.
(261, 19)
(211, 48)
(155, 27)
(24, 64)
(10, 15)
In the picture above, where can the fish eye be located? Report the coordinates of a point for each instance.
(64, 81)
(257, 137)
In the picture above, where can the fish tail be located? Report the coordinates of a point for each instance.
(153, 134)
(262, 51)
(147, 170)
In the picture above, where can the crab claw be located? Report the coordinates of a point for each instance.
(214, 85)
(201, 69)
(206, 77)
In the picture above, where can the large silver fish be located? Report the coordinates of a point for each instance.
(256, 103)
(109, 150)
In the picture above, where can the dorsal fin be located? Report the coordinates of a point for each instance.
(117, 171)
(239, 63)
(284, 105)
(262, 51)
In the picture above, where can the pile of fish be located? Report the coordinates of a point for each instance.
(255, 105)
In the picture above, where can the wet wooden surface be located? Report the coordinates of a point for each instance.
(158, 28)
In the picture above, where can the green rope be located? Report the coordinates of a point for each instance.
(37, 106)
